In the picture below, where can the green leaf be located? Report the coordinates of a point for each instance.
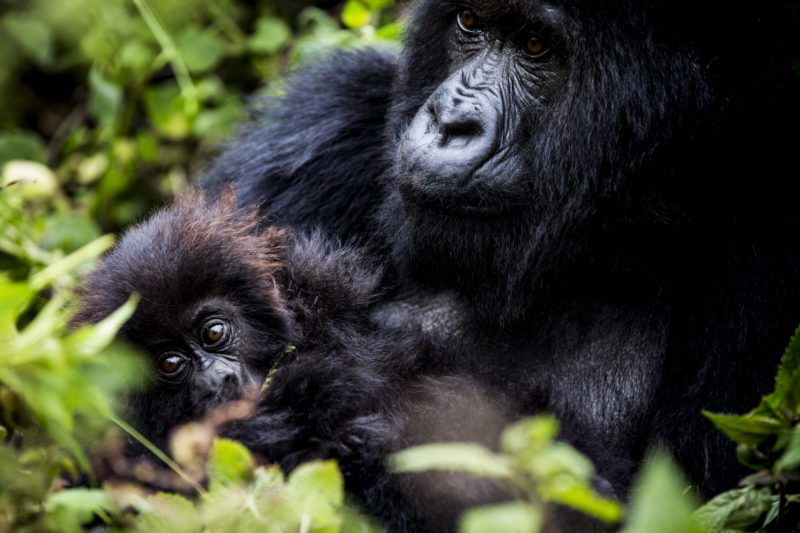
(69, 263)
(33, 37)
(68, 231)
(135, 55)
(377, 5)
(201, 49)
(465, 457)
(786, 395)
(530, 434)
(750, 456)
(355, 522)
(81, 503)
(790, 460)
(516, 517)
(355, 14)
(89, 340)
(16, 298)
(229, 463)
(267, 478)
(30, 180)
(588, 501)
(24, 145)
(746, 429)
(271, 34)
(659, 503)
(105, 98)
(166, 107)
(390, 32)
(557, 460)
(735, 509)
(316, 490)
(218, 123)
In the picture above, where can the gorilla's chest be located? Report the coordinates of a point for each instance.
(595, 366)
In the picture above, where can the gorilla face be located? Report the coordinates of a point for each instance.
(458, 154)
(518, 127)
(211, 317)
(198, 352)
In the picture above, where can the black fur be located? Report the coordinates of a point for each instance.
(645, 266)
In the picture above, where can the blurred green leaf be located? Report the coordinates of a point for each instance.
(136, 55)
(24, 145)
(377, 5)
(316, 490)
(31, 180)
(515, 517)
(659, 503)
(201, 49)
(355, 14)
(220, 122)
(586, 500)
(33, 36)
(529, 435)
(83, 504)
(271, 34)
(105, 98)
(86, 253)
(464, 457)
(229, 463)
(68, 231)
(166, 108)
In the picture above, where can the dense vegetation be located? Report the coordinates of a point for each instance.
(108, 108)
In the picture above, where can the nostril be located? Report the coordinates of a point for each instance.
(463, 129)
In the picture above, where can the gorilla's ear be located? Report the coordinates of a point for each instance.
(337, 279)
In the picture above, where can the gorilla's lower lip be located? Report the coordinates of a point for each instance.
(446, 202)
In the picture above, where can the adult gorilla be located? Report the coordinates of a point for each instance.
(588, 199)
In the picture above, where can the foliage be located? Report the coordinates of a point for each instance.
(123, 99)
(768, 439)
(531, 464)
(57, 385)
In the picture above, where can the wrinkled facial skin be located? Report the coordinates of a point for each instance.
(457, 154)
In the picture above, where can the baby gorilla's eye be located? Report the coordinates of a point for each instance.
(214, 333)
(171, 364)
(467, 20)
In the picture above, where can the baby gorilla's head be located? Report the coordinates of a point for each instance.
(211, 314)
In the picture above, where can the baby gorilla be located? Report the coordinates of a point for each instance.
(223, 300)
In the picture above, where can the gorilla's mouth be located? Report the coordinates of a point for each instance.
(465, 204)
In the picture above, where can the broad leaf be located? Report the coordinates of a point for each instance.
(735, 509)
(465, 457)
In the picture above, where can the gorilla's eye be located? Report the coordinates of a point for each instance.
(467, 20)
(171, 364)
(214, 333)
(536, 46)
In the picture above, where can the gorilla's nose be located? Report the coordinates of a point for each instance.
(458, 122)
(453, 133)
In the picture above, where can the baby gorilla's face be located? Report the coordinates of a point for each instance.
(211, 315)
(202, 356)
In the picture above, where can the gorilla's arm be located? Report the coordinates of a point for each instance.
(318, 161)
